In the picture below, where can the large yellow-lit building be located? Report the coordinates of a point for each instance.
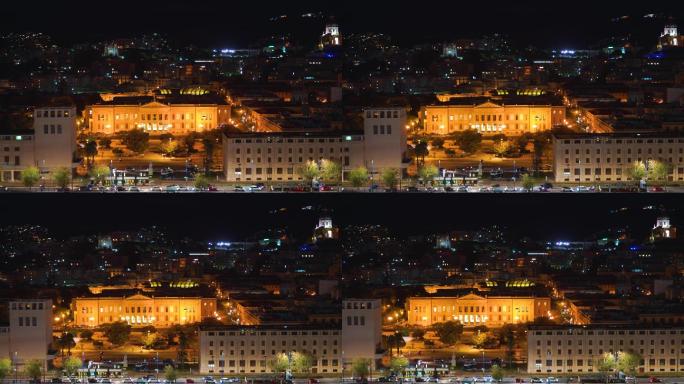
(141, 310)
(178, 115)
(473, 310)
(508, 116)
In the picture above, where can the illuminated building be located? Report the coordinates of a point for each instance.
(276, 156)
(29, 333)
(326, 230)
(610, 156)
(331, 36)
(663, 230)
(49, 145)
(511, 117)
(179, 114)
(575, 349)
(141, 310)
(474, 309)
(250, 349)
(670, 37)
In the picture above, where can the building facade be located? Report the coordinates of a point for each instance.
(177, 117)
(575, 349)
(29, 333)
(140, 310)
(473, 310)
(490, 117)
(252, 349)
(49, 145)
(609, 157)
(277, 156)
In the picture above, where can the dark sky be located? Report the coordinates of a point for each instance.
(231, 23)
(231, 216)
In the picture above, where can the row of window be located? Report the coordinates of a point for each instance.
(343, 160)
(610, 342)
(619, 151)
(28, 321)
(291, 150)
(17, 306)
(607, 171)
(52, 129)
(52, 113)
(382, 114)
(622, 141)
(382, 129)
(250, 332)
(300, 140)
(17, 160)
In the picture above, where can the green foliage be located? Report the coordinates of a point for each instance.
(34, 369)
(449, 332)
(5, 368)
(118, 152)
(280, 363)
(99, 173)
(605, 365)
(628, 362)
(637, 171)
(657, 170)
(136, 140)
(71, 365)
(330, 171)
(502, 148)
(170, 374)
(117, 332)
(358, 176)
(168, 147)
(309, 172)
(361, 367)
(398, 364)
(301, 362)
(497, 372)
(189, 143)
(30, 176)
(427, 173)
(61, 176)
(201, 182)
(480, 339)
(389, 178)
(469, 141)
(527, 182)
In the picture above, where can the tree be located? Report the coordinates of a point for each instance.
(30, 176)
(427, 173)
(605, 365)
(189, 143)
(105, 143)
(438, 142)
(330, 171)
(389, 178)
(309, 172)
(168, 147)
(280, 363)
(637, 171)
(398, 364)
(210, 141)
(61, 176)
(86, 334)
(118, 152)
(66, 341)
(170, 374)
(100, 173)
(5, 368)
(657, 170)
(71, 365)
(395, 340)
(361, 367)
(301, 362)
(502, 148)
(469, 141)
(117, 332)
(90, 150)
(201, 182)
(421, 151)
(150, 339)
(418, 333)
(522, 141)
(358, 176)
(527, 182)
(479, 339)
(497, 372)
(628, 363)
(34, 370)
(449, 332)
(136, 140)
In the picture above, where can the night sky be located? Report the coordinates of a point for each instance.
(219, 216)
(231, 23)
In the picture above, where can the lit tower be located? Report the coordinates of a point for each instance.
(331, 36)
